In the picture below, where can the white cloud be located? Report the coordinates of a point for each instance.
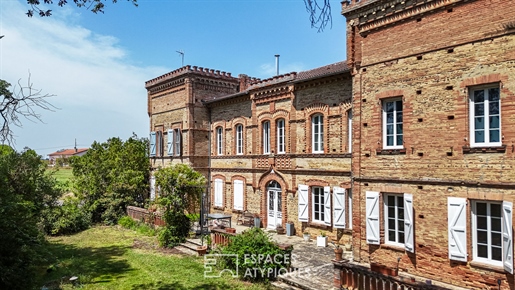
(87, 72)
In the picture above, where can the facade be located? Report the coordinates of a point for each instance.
(434, 132)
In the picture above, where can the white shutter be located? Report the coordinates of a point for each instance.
(372, 212)
(303, 203)
(170, 142)
(408, 223)
(457, 228)
(152, 144)
(507, 237)
(219, 186)
(339, 207)
(238, 195)
(327, 205)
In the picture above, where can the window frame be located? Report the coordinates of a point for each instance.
(395, 124)
(239, 139)
(317, 122)
(349, 131)
(474, 229)
(281, 136)
(398, 220)
(486, 116)
(266, 137)
(178, 135)
(219, 140)
(317, 207)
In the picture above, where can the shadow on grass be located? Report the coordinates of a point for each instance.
(102, 264)
(218, 285)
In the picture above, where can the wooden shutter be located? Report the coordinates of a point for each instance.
(339, 207)
(327, 205)
(152, 144)
(170, 142)
(178, 142)
(238, 195)
(408, 223)
(457, 228)
(219, 187)
(303, 203)
(372, 217)
(507, 236)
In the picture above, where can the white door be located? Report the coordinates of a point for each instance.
(274, 208)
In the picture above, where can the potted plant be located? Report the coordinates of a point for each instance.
(280, 230)
(338, 251)
(202, 250)
(230, 230)
(306, 236)
(322, 240)
(192, 234)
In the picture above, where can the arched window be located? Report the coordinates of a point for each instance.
(219, 140)
(266, 137)
(239, 139)
(317, 133)
(281, 144)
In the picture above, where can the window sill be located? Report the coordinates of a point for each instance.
(494, 149)
(319, 226)
(391, 151)
(485, 266)
(218, 207)
(393, 247)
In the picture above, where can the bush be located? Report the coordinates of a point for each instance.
(258, 258)
(140, 227)
(127, 222)
(69, 218)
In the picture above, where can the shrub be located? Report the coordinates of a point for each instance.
(140, 227)
(258, 258)
(127, 222)
(71, 217)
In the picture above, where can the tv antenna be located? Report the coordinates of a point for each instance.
(181, 52)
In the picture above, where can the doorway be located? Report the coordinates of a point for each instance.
(274, 205)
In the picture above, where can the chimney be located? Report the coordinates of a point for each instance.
(277, 63)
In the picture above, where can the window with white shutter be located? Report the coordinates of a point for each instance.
(394, 230)
(327, 205)
(457, 228)
(152, 144)
(303, 213)
(219, 187)
(507, 240)
(159, 143)
(317, 204)
(170, 143)
(177, 142)
(339, 207)
(238, 194)
(372, 217)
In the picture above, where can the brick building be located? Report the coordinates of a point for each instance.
(271, 147)
(434, 135)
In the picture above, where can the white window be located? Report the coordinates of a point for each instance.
(219, 140)
(394, 219)
(239, 139)
(317, 209)
(177, 142)
(392, 124)
(349, 131)
(281, 145)
(170, 143)
(238, 194)
(485, 117)
(487, 232)
(266, 137)
(219, 187)
(317, 133)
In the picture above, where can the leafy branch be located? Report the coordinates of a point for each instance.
(95, 6)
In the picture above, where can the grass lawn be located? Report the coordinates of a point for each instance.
(116, 258)
(61, 174)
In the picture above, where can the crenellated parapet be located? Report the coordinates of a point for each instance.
(368, 15)
(197, 70)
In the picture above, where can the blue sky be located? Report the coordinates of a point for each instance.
(96, 65)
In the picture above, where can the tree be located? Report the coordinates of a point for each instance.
(180, 189)
(21, 102)
(319, 14)
(94, 5)
(111, 176)
(25, 192)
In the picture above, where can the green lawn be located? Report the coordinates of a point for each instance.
(116, 258)
(61, 174)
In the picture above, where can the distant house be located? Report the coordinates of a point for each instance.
(65, 153)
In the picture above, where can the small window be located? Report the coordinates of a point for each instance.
(317, 198)
(394, 219)
(266, 137)
(317, 133)
(239, 139)
(392, 124)
(485, 116)
(281, 145)
(177, 142)
(219, 141)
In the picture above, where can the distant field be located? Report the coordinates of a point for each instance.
(61, 174)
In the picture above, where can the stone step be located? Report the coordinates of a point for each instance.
(186, 250)
(284, 286)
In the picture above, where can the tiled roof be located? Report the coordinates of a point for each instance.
(331, 69)
(68, 152)
(349, 7)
